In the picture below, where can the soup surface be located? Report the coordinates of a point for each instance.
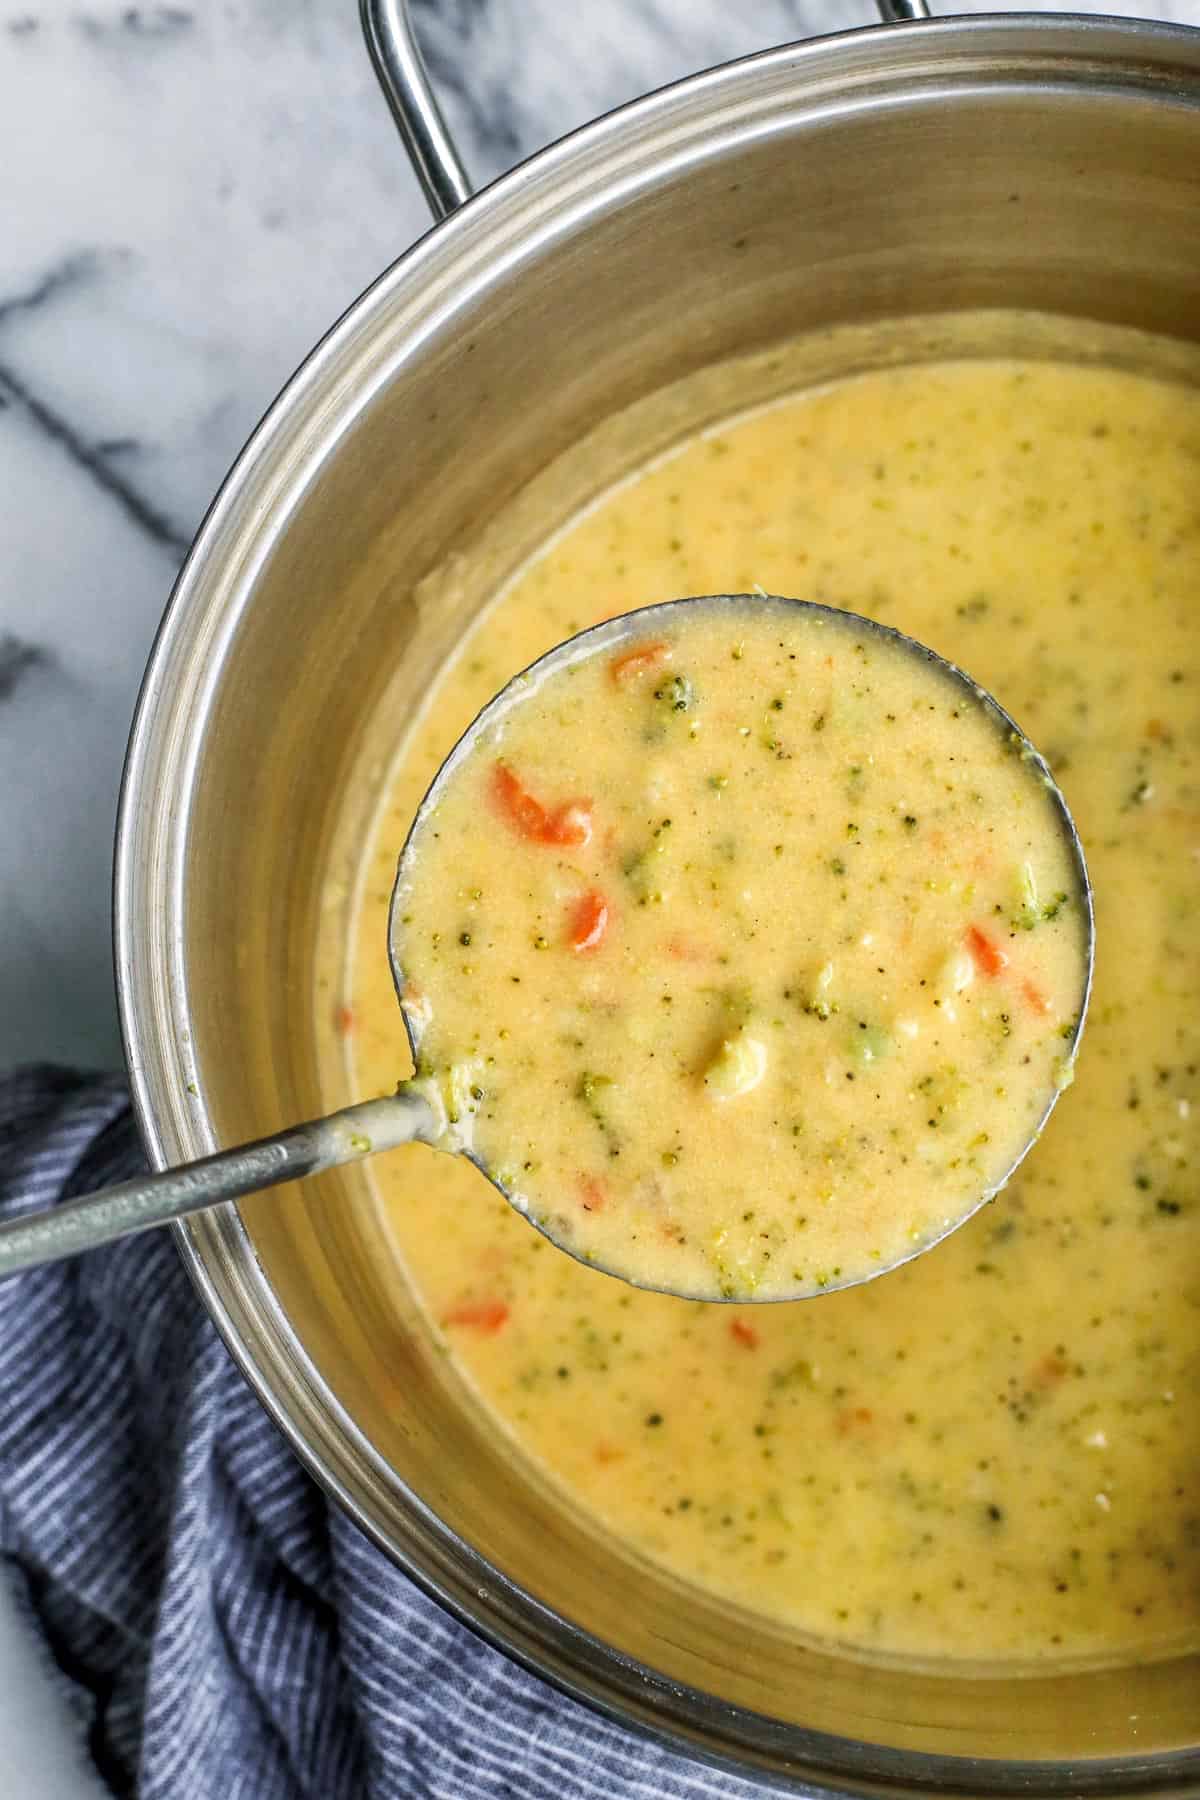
(991, 1453)
(746, 953)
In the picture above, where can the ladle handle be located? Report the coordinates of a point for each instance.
(133, 1206)
(397, 60)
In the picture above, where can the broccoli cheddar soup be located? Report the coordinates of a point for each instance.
(989, 1454)
(748, 952)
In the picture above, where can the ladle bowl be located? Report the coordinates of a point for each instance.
(413, 1113)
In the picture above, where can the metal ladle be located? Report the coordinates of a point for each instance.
(407, 1116)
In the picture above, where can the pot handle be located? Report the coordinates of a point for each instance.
(387, 27)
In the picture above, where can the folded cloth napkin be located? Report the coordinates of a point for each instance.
(223, 1633)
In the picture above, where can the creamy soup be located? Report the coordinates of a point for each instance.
(746, 953)
(991, 1453)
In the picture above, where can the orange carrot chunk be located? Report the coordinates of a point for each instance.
(523, 812)
(685, 949)
(989, 958)
(1049, 1371)
(638, 661)
(743, 1333)
(483, 1315)
(1036, 998)
(589, 921)
(853, 1419)
(593, 1194)
(570, 823)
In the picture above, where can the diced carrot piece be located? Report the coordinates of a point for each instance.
(1036, 998)
(685, 949)
(639, 661)
(483, 1315)
(743, 1333)
(1049, 1371)
(589, 921)
(343, 1020)
(854, 1419)
(517, 804)
(570, 823)
(989, 958)
(593, 1194)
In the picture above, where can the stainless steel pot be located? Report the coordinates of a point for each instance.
(1029, 161)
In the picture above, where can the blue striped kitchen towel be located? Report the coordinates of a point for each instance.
(223, 1633)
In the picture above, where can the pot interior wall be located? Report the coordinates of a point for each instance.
(961, 192)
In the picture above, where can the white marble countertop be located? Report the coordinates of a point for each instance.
(191, 194)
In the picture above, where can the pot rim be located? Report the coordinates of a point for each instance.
(481, 244)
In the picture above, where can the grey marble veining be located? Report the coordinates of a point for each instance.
(190, 194)
(514, 75)
(190, 197)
